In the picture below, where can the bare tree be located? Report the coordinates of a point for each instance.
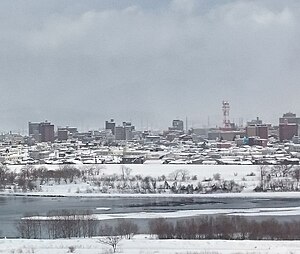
(179, 174)
(263, 172)
(296, 175)
(126, 228)
(3, 176)
(125, 172)
(185, 174)
(161, 228)
(112, 241)
(29, 228)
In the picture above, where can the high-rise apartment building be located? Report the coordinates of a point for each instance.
(287, 131)
(110, 125)
(43, 132)
(120, 133)
(124, 132)
(46, 130)
(289, 118)
(287, 126)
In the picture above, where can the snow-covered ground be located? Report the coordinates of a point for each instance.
(155, 170)
(248, 176)
(143, 244)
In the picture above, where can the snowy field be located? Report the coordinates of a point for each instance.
(142, 244)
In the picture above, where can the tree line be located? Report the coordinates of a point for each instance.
(67, 224)
(71, 223)
(31, 178)
(279, 178)
(224, 227)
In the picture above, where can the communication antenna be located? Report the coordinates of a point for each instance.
(225, 109)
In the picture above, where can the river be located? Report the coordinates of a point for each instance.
(14, 208)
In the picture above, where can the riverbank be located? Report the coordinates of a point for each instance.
(246, 194)
(144, 244)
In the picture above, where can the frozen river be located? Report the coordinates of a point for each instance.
(13, 208)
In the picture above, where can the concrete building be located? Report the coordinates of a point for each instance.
(33, 128)
(257, 141)
(72, 130)
(128, 128)
(256, 121)
(46, 130)
(128, 132)
(62, 134)
(288, 126)
(257, 130)
(225, 135)
(124, 132)
(120, 133)
(287, 131)
(110, 125)
(177, 125)
(289, 118)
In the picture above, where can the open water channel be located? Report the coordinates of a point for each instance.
(14, 208)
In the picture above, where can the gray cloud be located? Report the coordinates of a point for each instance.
(82, 62)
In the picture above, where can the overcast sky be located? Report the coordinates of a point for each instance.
(80, 63)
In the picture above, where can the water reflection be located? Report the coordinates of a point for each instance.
(2, 201)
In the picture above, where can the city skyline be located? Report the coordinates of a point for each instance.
(186, 125)
(239, 123)
(80, 62)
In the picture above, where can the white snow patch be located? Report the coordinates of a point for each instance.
(143, 244)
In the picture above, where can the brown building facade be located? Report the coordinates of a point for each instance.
(287, 131)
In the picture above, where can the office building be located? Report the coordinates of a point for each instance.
(124, 132)
(62, 134)
(289, 118)
(257, 130)
(110, 125)
(46, 130)
(120, 133)
(287, 131)
(33, 128)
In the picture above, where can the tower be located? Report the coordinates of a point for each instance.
(225, 109)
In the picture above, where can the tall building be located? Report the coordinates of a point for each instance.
(46, 130)
(124, 132)
(289, 118)
(287, 131)
(128, 128)
(33, 128)
(257, 130)
(110, 125)
(120, 133)
(177, 125)
(62, 134)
